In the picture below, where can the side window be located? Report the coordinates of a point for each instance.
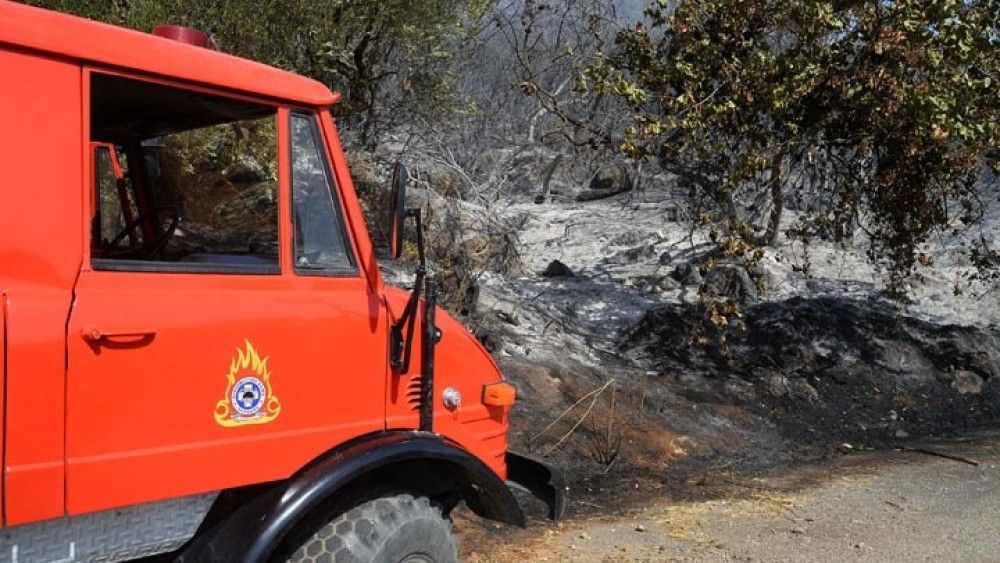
(320, 239)
(192, 184)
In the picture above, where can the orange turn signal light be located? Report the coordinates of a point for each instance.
(499, 395)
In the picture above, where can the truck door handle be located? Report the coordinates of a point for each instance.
(95, 334)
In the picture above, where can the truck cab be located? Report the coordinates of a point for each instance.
(193, 323)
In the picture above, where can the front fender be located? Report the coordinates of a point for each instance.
(542, 481)
(253, 530)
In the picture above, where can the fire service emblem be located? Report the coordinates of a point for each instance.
(249, 398)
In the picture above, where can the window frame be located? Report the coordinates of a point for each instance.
(97, 195)
(334, 190)
(154, 266)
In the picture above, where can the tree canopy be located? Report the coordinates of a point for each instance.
(882, 116)
(388, 57)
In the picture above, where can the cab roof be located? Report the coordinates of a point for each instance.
(69, 37)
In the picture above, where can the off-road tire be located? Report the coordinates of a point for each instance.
(389, 529)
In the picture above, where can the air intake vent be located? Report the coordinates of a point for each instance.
(413, 392)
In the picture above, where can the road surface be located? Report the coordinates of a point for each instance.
(863, 506)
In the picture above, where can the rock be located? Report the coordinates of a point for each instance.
(801, 390)
(777, 385)
(848, 369)
(730, 281)
(797, 359)
(975, 352)
(640, 528)
(967, 383)
(630, 256)
(246, 171)
(612, 177)
(739, 389)
(653, 283)
(772, 273)
(509, 318)
(907, 358)
(241, 213)
(901, 434)
(557, 269)
(688, 274)
(629, 238)
(637, 254)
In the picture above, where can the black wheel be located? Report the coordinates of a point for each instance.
(391, 529)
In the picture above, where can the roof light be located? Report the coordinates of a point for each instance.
(184, 35)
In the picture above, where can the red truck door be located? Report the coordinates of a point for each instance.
(41, 170)
(242, 346)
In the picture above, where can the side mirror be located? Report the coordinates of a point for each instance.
(403, 330)
(397, 209)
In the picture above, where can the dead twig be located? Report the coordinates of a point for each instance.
(926, 451)
(586, 413)
(594, 396)
(549, 172)
(569, 409)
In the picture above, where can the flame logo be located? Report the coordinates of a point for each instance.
(249, 397)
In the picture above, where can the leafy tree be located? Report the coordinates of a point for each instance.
(388, 57)
(879, 115)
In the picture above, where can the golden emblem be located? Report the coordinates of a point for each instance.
(249, 397)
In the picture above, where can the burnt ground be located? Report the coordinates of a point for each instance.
(803, 377)
(833, 367)
(811, 387)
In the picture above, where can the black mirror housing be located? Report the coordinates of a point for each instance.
(397, 209)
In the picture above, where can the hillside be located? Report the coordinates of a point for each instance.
(599, 324)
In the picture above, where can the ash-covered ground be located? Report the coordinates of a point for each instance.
(618, 376)
(595, 313)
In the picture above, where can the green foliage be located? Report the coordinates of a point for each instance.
(884, 112)
(388, 57)
(222, 179)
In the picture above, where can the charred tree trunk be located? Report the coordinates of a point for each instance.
(777, 182)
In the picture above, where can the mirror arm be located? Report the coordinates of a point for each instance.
(421, 259)
(400, 344)
(430, 338)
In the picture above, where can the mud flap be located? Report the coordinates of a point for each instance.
(540, 480)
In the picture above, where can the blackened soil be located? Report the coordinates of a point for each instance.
(806, 380)
(830, 369)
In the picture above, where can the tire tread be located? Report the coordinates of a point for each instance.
(360, 534)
